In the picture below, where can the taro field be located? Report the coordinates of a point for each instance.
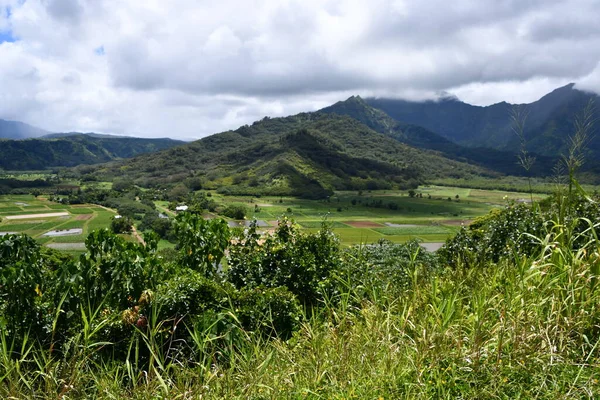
(432, 215)
(59, 226)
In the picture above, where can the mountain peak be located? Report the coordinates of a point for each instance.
(355, 99)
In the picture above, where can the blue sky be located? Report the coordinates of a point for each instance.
(5, 34)
(6, 37)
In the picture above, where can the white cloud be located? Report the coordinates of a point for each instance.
(187, 68)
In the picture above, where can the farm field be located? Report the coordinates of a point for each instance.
(59, 226)
(392, 215)
(434, 214)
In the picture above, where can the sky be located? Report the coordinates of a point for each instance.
(189, 68)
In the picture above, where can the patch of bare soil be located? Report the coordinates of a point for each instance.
(363, 224)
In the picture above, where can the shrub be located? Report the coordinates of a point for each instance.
(201, 242)
(385, 267)
(21, 283)
(190, 293)
(273, 312)
(299, 261)
(235, 211)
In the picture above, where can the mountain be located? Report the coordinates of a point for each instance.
(19, 130)
(74, 149)
(417, 136)
(548, 126)
(308, 154)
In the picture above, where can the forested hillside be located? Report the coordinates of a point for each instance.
(548, 127)
(74, 149)
(292, 155)
(417, 136)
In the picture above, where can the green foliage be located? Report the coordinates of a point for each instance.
(298, 261)
(121, 225)
(162, 226)
(115, 272)
(501, 234)
(21, 283)
(190, 293)
(272, 312)
(235, 211)
(384, 320)
(201, 242)
(122, 185)
(178, 193)
(200, 202)
(385, 268)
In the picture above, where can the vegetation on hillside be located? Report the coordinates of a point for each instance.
(419, 137)
(304, 155)
(73, 150)
(549, 122)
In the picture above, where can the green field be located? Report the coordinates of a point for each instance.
(436, 216)
(433, 215)
(87, 217)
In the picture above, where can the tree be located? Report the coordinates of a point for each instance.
(178, 193)
(412, 193)
(121, 224)
(122, 185)
(235, 211)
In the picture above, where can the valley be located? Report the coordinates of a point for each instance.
(432, 215)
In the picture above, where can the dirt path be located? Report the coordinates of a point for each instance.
(136, 235)
(28, 216)
(166, 210)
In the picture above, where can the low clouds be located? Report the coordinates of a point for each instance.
(187, 68)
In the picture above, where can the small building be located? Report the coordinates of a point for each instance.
(181, 208)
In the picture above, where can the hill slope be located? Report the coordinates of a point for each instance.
(417, 136)
(548, 126)
(300, 154)
(74, 149)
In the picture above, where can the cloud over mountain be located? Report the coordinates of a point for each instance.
(188, 68)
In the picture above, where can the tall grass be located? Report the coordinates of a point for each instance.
(525, 328)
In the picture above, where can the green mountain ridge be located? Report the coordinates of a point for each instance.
(549, 124)
(294, 155)
(73, 150)
(417, 136)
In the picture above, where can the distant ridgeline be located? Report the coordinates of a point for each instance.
(549, 125)
(68, 150)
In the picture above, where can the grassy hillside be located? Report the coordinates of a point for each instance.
(293, 155)
(72, 150)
